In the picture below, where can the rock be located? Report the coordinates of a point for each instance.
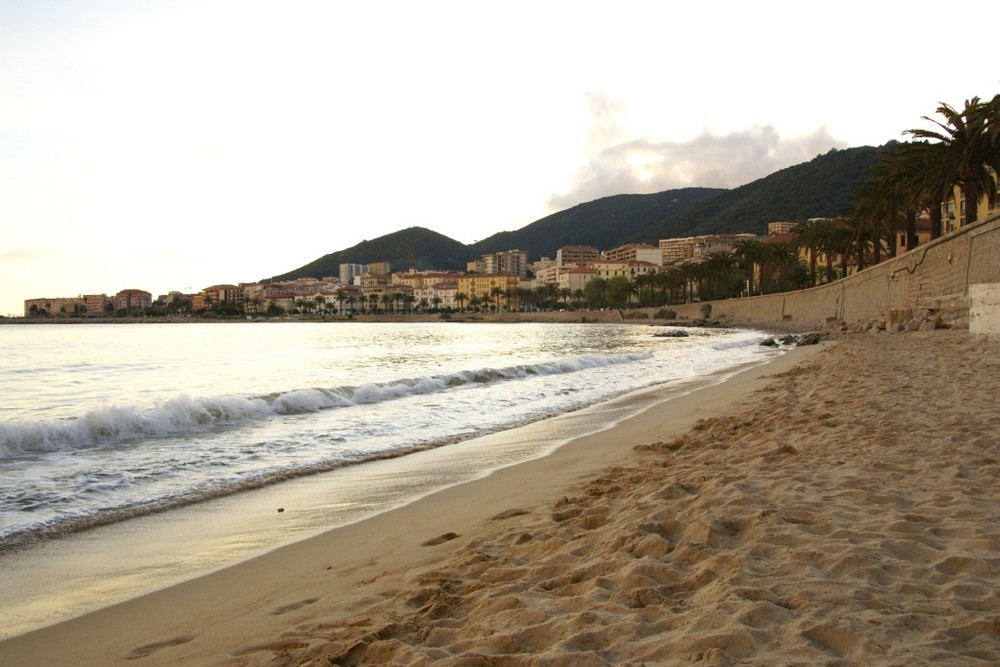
(810, 339)
(676, 333)
(769, 342)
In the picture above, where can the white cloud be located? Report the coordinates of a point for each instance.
(642, 165)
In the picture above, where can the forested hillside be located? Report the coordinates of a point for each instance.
(818, 188)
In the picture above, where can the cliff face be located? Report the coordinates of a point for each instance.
(953, 281)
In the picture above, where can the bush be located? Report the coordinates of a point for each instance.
(664, 314)
(637, 315)
(706, 310)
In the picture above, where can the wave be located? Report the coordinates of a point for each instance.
(185, 415)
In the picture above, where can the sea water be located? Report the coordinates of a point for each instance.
(102, 423)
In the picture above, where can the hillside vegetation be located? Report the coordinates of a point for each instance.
(818, 188)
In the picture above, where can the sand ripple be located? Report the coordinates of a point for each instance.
(850, 515)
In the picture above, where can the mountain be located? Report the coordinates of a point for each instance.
(413, 248)
(602, 223)
(818, 188)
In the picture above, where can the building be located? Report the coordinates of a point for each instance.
(438, 295)
(575, 278)
(778, 228)
(348, 272)
(954, 210)
(496, 290)
(607, 269)
(677, 250)
(509, 261)
(97, 304)
(218, 294)
(712, 243)
(133, 301)
(633, 252)
(577, 255)
(58, 307)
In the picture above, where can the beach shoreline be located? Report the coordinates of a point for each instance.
(822, 507)
(595, 452)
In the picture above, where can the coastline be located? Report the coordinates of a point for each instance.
(607, 451)
(837, 505)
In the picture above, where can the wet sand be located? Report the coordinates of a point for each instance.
(837, 506)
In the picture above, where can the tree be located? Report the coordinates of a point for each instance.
(722, 275)
(595, 292)
(618, 291)
(750, 252)
(966, 147)
(461, 298)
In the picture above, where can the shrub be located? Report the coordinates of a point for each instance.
(706, 310)
(665, 314)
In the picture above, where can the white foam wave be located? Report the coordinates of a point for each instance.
(184, 414)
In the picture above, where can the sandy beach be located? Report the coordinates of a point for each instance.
(836, 506)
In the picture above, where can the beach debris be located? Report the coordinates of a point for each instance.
(280, 510)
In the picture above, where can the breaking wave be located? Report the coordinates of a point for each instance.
(182, 415)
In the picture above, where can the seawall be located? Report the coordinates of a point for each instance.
(953, 280)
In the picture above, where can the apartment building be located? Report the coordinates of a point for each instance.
(779, 228)
(575, 278)
(633, 252)
(438, 295)
(57, 307)
(509, 261)
(576, 255)
(482, 286)
(348, 272)
(133, 300)
(607, 269)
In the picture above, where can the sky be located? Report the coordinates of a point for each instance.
(176, 144)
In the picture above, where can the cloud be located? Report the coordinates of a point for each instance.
(625, 166)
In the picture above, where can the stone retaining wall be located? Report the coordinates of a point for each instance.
(941, 281)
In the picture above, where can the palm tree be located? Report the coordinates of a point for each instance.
(806, 237)
(461, 298)
(751, 253)
(720, 269)
(320, 301)
(495, 293)
(340, 300)
(966, 147)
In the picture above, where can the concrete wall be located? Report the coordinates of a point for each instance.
(944, 277)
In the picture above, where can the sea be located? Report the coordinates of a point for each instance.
(135, 455)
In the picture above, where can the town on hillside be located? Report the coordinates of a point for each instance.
(915, 192)
(678, 270)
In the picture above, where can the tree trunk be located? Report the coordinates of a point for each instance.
(936, 219)
(911, 230)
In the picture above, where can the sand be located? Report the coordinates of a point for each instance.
(837, 506)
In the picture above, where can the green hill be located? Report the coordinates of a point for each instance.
(818, 188)
(603, 223)
(815, 189)
(413, 248)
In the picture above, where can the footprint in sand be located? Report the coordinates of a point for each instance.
(149, 649)
(292, 606)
